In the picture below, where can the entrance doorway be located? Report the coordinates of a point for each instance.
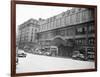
(63, 49)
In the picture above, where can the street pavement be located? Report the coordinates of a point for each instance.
(40, 63)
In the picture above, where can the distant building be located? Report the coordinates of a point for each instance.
(17, 38)
(27, 32)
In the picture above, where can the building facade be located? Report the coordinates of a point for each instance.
(27, 32)
(69, 31)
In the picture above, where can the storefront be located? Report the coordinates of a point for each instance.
(65, 47)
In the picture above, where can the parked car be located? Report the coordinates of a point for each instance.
(78, 55)
(47, 53)
(21, 53)
(27, 49)
(38, 51)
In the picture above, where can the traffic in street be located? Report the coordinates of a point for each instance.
(40, 63)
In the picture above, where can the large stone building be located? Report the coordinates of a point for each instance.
(69, 31)
(27, 33)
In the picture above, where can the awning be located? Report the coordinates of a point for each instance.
(58, 42)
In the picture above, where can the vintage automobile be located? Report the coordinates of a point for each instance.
(39, 51)
(27, 49)
(77, 55)
(21, 53)
(47, 53)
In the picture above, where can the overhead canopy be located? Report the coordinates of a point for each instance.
(70, 42)
(60, 41)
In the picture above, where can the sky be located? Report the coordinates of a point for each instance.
(25, 12)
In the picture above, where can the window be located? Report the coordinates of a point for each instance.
(81, 41)
(62, 32)
(69, 32)
(90, 14)
(81, 30)
(63, 21)
(67, 20)
(73, 18)
(91, 41)
(58, 22)
(49, 26)
(56, 32)
(70, 19)
(52, 25)
(45, 35)
(35, 30)
(84, 16)
(77, 17)
(78, 30)
(91, 28)
(31, 35)
(46, 26)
